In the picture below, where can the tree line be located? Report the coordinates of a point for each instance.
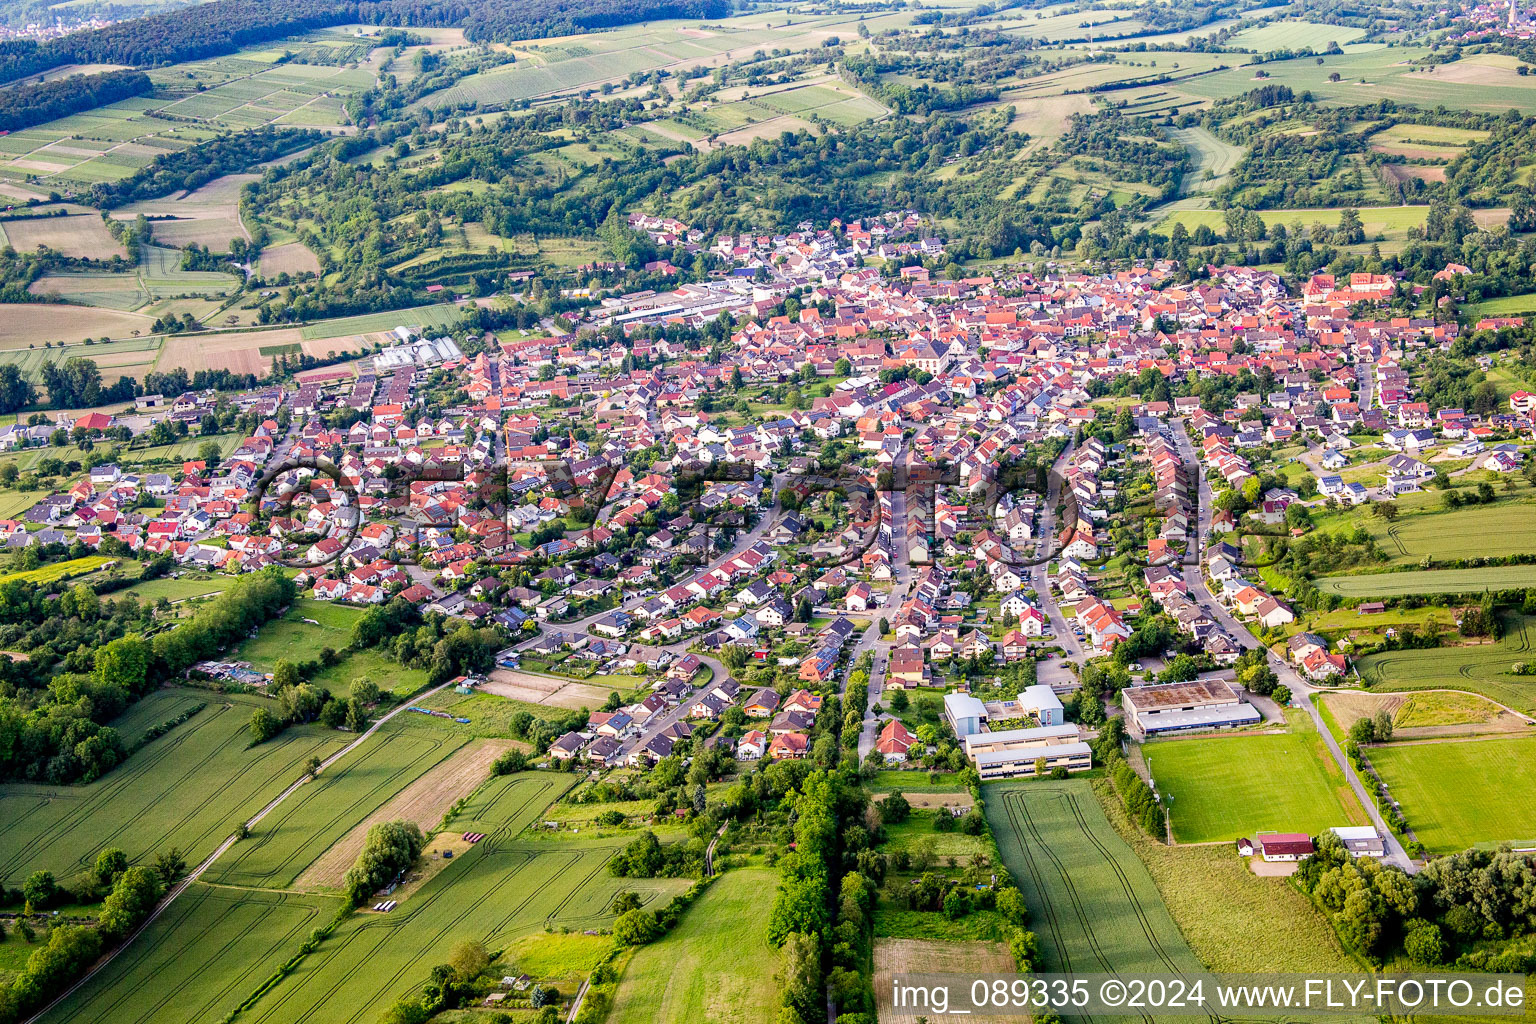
(27, 105)
(54, 729)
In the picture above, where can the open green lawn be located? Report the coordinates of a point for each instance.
(915, 781)
(917, 833)
(1479, 668)
(294, 639)
(1093, 904)
(188, 586)
(1457, 793)
(716, 965)
(187, 789)
(1223, 787)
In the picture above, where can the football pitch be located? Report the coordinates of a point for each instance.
(1457, 793)
(1223, 787)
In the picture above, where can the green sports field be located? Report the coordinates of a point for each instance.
(187, 789)
(716, 965)
(1092, 902)
(1457, 793)
(1223, 787)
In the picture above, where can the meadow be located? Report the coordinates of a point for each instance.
(1506, 527)
(1094, 907)
(716, 965)
(1214, 159)
(1294, 35)
(293, 639)
(1223, 787)
(570, 63)
(1456, 793)
(187, 789)
(1479, 668)
(1391, 222)
(1506, 306)
(1483, 82)
(77, 234)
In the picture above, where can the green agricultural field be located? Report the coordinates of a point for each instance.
(297, 640)
(917, 833)
(218, 943)
(1510, 305)
(323, 811)
(1214, 159)
(64, 570)
(1093, 904)
(1223, 787)
(1294, 35)
(441, 315)
(1482, 82)
(200, 959)
(716, 965)
(1430, 581)
(501, 890)
(187, 789)
(1477, 668)
(1388, 220)
(1457, 793)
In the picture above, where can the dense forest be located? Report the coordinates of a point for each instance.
(27, 105)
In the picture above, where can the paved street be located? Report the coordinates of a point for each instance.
(871, 641)
(1200, 592)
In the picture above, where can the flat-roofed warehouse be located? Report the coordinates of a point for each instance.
(1185, 707)
(1014, 752)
